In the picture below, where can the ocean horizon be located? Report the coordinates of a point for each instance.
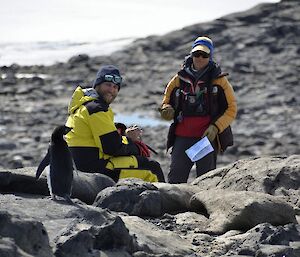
(36, 32)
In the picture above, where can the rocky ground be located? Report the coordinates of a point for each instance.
(259, 48)
(248, 208)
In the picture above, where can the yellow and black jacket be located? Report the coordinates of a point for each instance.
(220, 105)
(94, 141)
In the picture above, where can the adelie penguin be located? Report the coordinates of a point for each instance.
(60, 162)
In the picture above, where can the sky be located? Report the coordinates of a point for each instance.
(97, 20)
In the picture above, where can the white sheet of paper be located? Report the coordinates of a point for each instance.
(199, 150)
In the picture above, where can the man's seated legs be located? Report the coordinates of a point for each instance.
(140, 167)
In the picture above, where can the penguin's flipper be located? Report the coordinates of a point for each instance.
(44, 163)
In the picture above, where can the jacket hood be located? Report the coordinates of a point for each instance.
(81, 96)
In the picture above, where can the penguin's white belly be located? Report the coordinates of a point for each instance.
(47, 169)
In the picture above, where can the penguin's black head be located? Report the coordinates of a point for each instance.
(59, 132)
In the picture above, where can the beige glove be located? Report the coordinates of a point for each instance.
(167, 112)
(134, 133)
(211, 132)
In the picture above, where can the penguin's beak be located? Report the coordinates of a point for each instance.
(67, 130)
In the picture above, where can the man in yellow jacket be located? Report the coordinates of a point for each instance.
(94, 141)
(201, 101)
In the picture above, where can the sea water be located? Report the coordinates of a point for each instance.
(49, 31)
(43, 32)
(140, 120)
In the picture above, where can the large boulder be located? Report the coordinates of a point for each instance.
(176, 198)
(28, 235)
(9, 248)
(85, 238)
(132, 196)
(258, 240)
(174, 220)
(151, 239)
(85, 186)
(137, 197)
(42, 227)
(242, 210)
(279, 176)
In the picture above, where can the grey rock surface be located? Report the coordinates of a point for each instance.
(73, 230)
(159, 219)
(176, 198)
(9, 248)
(278, 175)
(85, 186)
(157, 240)
(132, 196)
(259, 48)
(27, 234)
(243, 210)
(250, 207)
(259, 238)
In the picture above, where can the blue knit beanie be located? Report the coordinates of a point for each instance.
(204, 44)
(106, 70)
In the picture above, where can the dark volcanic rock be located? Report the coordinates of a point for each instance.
(173, 220)
(264, 238)
(85, 186)
(8, 248)
(73, 230)
(271, 175)
(229, 210)
(259, 48)
(29, 235)
(131, 196)
(248, 208)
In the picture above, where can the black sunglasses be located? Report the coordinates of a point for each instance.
(197, 54)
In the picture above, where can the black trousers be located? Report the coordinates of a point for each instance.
(181, 164)
(153, 166)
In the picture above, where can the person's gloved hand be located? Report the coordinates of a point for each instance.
(134, 133)
(144, 150)
(211, 132)
(167, 112)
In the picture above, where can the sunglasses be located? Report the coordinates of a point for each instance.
(114, 79)
(197, 54)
